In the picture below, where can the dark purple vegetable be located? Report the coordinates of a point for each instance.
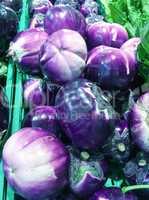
(72, 3)
(118, 35)
(37, 21)
(64, 17)
(103, 33)
(25, 49)
(130, 48)
(98, 34)
(139, 122)
(16, 5)
(86, 176)
(8, 24)
(85, 114)
(39, 6)
(35, 163)
(118, 147)
(112, 194)
(44, 117)
(110, 68)
(63, 56)
(89, 7)
(35, 93)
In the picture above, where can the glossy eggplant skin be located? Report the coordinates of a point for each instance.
(139, 122)
(85, 114)
(44, 117)
(8, 24)
(64, 17)
(41, 170)
(110, 68)
(113, 194)
(25, 48)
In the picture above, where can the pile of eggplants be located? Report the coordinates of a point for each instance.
(85, 131)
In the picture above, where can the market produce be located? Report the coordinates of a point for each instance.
(119, 144)
(16, 5)
(25, 49)
(35, 163)
(44, 117)
(110, 68)
(39, 6)
(64, 17)
(139, 122)
(9, 24)
(85, 114)
(93, 18)
(103, 33)
(34, 93)
(112, 194)
(86, 176)
(63, 56)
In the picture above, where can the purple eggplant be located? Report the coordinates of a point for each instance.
(35, 163)
(89, 7)
(39, 6)
(139, 122)
(63, 56)
(37, 21)
(25, 49)
(103, 33)
(35, 93)
(85, 114)
(98, 34)
(64, 17)
(44, 117)
(86, 176)
(118, 147)
(118, 35)
(110, 68)
(112, 194)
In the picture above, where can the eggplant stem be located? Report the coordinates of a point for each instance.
(134, 187)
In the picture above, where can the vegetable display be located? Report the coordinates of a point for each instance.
(42, 163)
(78, 101)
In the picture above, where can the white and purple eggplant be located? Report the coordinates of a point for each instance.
(44, 117)
(103, 33)
(85, 114)
(25, 48)
(35, 163)
(64, 17)
(110, 68)
(63, 56)
(139, 122)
